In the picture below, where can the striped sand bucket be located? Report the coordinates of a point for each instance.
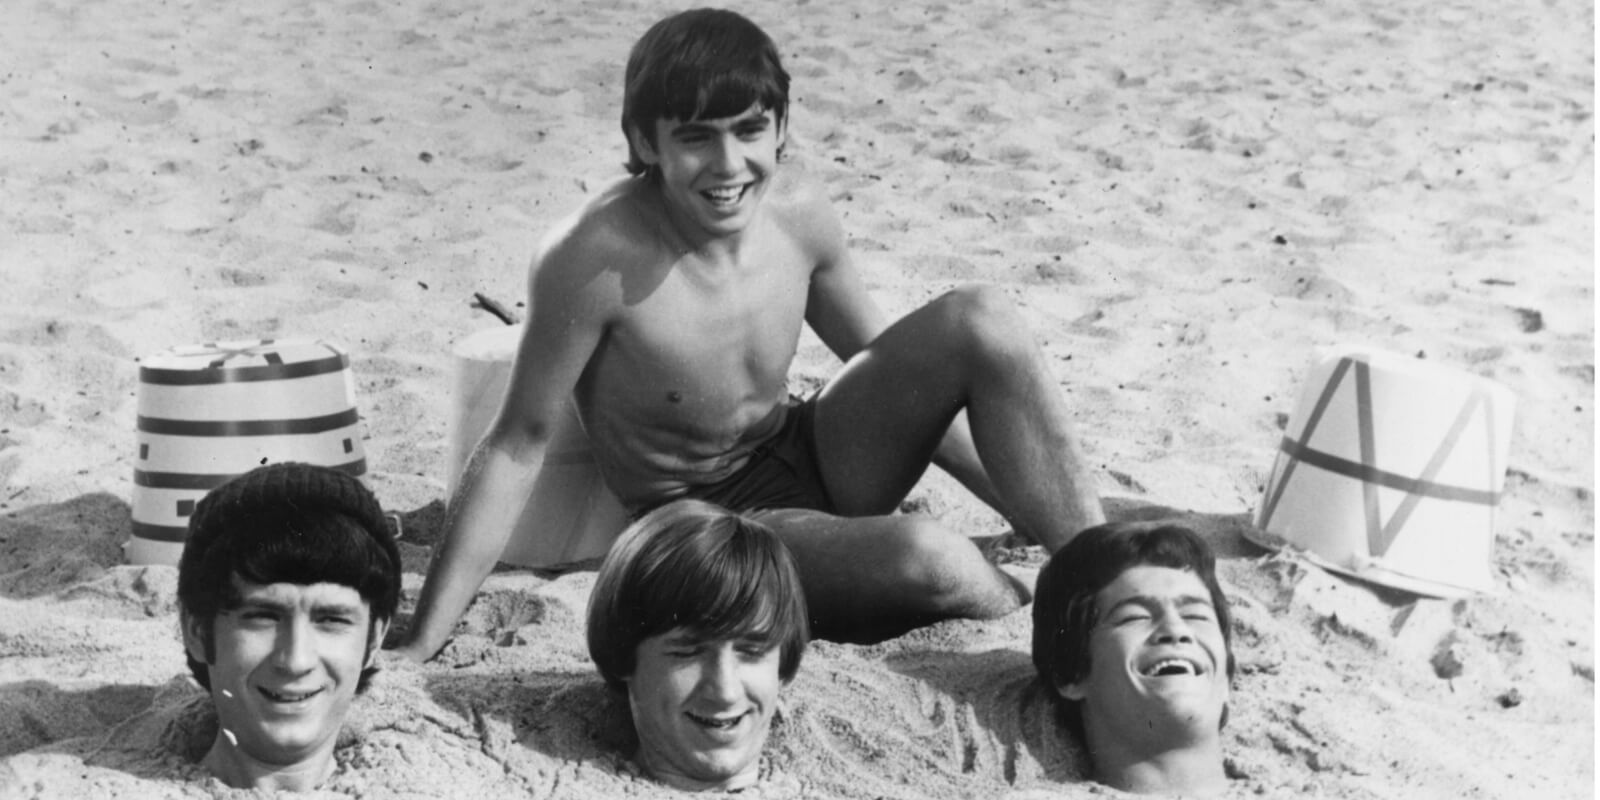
(210, 412)
(571, 516)
(1390, 470)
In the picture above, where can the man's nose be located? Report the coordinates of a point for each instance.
(728, 155)
(295, 651)
(1173, 629)
(1173, 637)
(720, 678)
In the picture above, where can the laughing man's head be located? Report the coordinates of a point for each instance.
(1132, 636)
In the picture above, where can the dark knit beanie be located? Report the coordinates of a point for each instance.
(304, 487)
(305, 519)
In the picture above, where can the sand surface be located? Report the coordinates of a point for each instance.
(1186, 200)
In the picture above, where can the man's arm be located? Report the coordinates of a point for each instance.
(563, 328)
(847, 319)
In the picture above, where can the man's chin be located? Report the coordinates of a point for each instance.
(1198, 713)
(724, 769)
(285, 747)
(729, 780)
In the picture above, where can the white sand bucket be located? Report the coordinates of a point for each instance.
(571, 515)
(1390, 471)
(210, 412)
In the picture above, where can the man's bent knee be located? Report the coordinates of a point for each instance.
(947, 574)
(987, 320)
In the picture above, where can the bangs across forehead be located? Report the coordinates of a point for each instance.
(735, 594)
(725, 95)
(270, 549)
(699, 65)
(750, 618)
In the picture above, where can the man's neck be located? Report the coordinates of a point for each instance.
(680, 234)
(1192, 768)
(236, 768)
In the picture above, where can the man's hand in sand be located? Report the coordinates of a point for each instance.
(669, 309)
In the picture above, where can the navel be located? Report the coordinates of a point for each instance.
(674, 396)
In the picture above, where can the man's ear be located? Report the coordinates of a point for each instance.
(642, 146)
(194, 637)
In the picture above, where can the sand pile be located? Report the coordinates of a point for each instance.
(1186, 201)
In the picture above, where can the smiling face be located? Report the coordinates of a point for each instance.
(702, 708)
(284, 668)
(1158, 659)
(714, 172)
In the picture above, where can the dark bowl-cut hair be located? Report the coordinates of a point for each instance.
(690, 564)
(1065, 611)
(285, 523)
(702, 64)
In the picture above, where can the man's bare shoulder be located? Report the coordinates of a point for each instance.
(796, 194)
(612, 223)
(801, 205)
(583, 257)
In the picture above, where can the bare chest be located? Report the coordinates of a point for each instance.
(705, 347)
(709, 330)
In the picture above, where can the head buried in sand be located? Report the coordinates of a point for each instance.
(697, 616)
(287, 583)
(1132, 637)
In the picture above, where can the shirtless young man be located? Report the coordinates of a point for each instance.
(669, 308)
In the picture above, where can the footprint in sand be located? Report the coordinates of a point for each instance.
(144, 109)
(499, 615)
(188, 213)
(81, 338)
(1307, 283)
(943, 267)
(339, 220)
(133, 290)
(494, 162)
(235, 276)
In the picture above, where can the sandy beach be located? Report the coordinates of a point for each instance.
(1187, 201)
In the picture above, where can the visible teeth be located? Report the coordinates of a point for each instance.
(282, 697)
(711, 722)
(1173, 666)
(724, 195)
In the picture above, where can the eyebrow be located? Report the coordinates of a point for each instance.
(688, 638)
(1150, 600)
(695, 126)
(257, 604)
(342, 609)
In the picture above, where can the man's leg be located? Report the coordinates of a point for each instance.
(880, 420)
(870, 578)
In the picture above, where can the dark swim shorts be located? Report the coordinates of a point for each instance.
(781, 473)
